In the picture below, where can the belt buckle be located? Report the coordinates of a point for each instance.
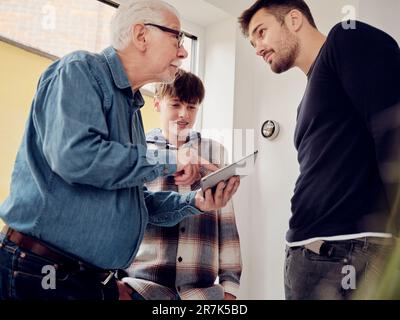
(109, 277)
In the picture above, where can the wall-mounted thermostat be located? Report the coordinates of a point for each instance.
(270, 129)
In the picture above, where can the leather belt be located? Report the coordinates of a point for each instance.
(31, 244)
(39, 248)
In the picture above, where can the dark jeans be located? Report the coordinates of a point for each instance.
(26, 276)
(352, 271)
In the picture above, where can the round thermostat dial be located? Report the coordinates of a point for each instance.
(270, 129)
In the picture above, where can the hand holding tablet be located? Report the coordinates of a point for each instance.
(208, 201)
(241, 168)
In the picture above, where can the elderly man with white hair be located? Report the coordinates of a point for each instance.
(77, 208)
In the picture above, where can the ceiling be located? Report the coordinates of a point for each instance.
(200, 12)
(233, 7)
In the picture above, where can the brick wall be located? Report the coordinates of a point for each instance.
(57, 26)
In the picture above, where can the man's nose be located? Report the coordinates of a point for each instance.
(260, 50)
(182, 53)
(183, 113)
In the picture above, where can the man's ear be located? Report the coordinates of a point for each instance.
(139, 33)
(294, 20)
(157, 103)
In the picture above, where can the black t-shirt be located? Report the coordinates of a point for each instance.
(346, 135)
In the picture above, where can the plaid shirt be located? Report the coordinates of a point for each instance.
(186, 260)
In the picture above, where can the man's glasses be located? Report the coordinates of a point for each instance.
(180, 35)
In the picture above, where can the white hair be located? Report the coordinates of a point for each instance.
(137, 11)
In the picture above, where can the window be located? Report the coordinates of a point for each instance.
(190, 46)
(59, 27)
(54, 28)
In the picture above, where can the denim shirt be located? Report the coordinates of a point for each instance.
(78, 180)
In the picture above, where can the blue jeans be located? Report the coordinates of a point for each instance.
(24, 276)
(352, 270)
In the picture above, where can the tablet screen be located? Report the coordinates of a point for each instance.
(242, 168)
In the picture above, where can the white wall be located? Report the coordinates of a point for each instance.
(219, 75)
(383, 14)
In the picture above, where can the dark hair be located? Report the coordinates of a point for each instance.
(187, 87)
(278, 8)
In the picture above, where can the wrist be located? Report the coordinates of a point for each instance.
(195, 201)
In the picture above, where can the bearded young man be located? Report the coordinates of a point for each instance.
(344, 210)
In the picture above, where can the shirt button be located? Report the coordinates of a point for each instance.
(183, 230)
(180, 259)
(179, 289)
(156, 153)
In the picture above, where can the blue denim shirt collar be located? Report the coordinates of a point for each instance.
(119, 76)
(117, 70)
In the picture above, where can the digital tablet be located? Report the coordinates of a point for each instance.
(241, 168)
